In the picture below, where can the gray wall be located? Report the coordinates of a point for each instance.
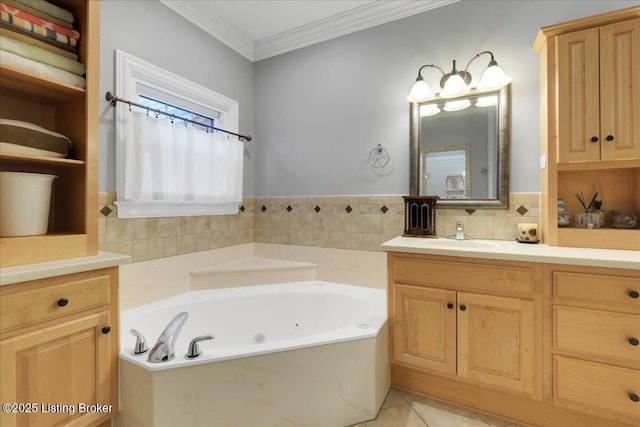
(320, 110)
(156, 34)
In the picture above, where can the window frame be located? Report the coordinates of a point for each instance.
(131, 72)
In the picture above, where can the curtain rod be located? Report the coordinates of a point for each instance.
(114, 99)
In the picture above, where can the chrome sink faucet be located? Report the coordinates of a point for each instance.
(163, 350)
(459, 232)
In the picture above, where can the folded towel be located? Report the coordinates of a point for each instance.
(42, 56)
(50, 9)
(27, 134)
(21, 34)
(37, 69)
(39, 14)
(14, 35)
(39, 26)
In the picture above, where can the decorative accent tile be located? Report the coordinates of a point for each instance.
(105, 211)
(348, 209)
(317, 209)
(242, 208)
(470, 211)
(263, 208)
(384, 209)
(522, 210)
(289, 208)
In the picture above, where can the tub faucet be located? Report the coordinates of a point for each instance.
(163, 350)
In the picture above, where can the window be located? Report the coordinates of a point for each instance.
(165, 168)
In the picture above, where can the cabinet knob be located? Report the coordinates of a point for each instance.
(62, 302)
(609, 138)
(634, 397)
(463, 307)
(594, 139)
(450, 306)
(634, 294)
(633, 341)
(106, 330)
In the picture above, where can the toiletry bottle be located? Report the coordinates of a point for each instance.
(597, 207)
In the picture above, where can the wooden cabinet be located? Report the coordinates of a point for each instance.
(599, 93)
(74, 113)
(542, 344)
(594, 345)
(58, 350)
(469, 325)
(590, 105)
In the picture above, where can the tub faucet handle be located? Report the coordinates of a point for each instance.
(194, 348)
(141, 344)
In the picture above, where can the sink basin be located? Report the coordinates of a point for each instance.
(461, 244)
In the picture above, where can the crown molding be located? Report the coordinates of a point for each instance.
(364, 17)
(203, 17)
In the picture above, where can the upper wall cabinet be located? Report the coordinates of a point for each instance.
(64, 106)
(598, 93)
(589, 125)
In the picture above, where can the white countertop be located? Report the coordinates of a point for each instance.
(24, 273)
(514, 251)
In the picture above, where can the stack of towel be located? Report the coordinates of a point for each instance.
(38, 37)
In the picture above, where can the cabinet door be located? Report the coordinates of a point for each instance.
(58, 368)
(578, 138)
(496, 341)
(620, 90)
(424, 327)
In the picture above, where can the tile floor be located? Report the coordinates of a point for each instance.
(403, 409)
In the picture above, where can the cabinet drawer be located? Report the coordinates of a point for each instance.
(600, 333)
(597, 288)
(596, 386)
(519, 280)
(51, 298)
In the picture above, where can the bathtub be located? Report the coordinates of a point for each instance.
(296, 354)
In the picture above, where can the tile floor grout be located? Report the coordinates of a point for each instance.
(406, 409)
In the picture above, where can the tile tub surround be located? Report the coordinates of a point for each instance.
(341, 222)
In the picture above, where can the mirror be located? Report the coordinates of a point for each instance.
(461, 153)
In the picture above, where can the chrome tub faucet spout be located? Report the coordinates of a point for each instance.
(163, 350)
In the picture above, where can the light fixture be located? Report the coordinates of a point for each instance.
(458, 82)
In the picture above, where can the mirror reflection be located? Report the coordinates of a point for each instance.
(459, 149)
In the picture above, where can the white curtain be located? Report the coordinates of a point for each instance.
(169, 169)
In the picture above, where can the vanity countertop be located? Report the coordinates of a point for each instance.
(43, 270)
(514, 251)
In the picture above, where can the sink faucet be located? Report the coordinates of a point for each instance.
(163, 350)
(459, 232)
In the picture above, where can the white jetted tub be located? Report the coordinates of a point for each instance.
(295, 354)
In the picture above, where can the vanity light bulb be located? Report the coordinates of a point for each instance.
(420, 91)
(455, 86)
(493, 77)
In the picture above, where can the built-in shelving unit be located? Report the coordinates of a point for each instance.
(589, 133)
(73, 112)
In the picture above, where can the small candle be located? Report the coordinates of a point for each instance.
(528, 232)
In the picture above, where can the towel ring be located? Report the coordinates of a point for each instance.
(379, 157)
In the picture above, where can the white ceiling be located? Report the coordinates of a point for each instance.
(259, 29)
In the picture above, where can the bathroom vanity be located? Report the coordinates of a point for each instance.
(59, 342)
(534, 333)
